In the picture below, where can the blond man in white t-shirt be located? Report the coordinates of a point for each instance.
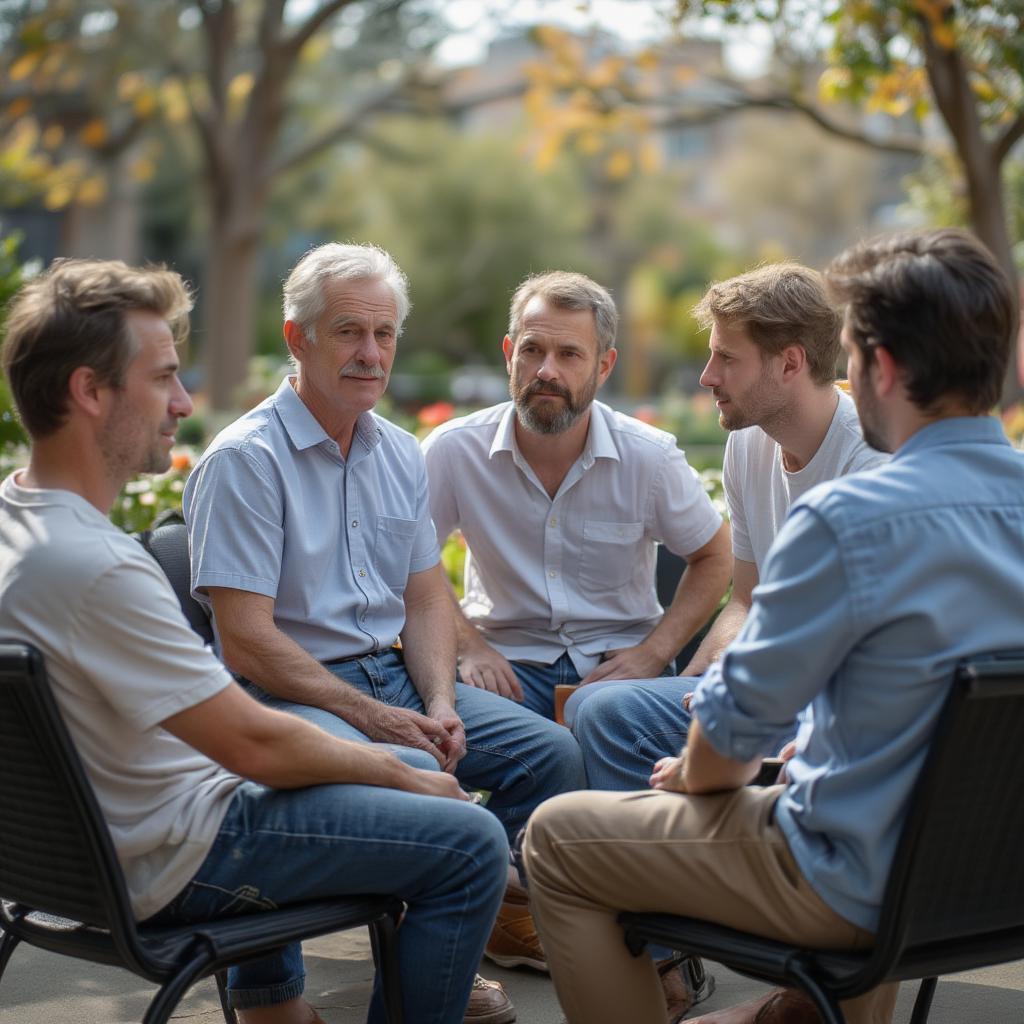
(774, 350)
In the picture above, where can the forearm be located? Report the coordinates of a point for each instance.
(700, 589)
(276, 663)
(467, 636)
(724, 629)
(707, 771)
(429, 646)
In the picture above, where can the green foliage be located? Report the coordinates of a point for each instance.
(12, 434)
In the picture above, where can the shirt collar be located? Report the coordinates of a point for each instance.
(599, 443)
(954, 430)
(303, 428)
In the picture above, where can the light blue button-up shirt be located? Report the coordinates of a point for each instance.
(876, 586)
(273, 508)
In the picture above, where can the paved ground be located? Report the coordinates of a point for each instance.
(40, 988)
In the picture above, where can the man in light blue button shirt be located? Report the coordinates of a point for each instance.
(874, 589)
(311, 540)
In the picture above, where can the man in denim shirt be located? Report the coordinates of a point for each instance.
(876, 587)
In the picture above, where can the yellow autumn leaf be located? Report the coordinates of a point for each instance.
(315, 49)
(944, 36)
(606, 73)
(174, 100)
(58, 196)
(92, 191)
(53, 136)
(548, 152)
(17, 108)
(145, 103)
(94, 134)
(983, 89)
(618, 165)
(589, 143)
(23, 67)
(647, 60)
(832, 82)
(240, 86)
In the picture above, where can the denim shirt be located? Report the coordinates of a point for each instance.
(876, 586)
(274, 509)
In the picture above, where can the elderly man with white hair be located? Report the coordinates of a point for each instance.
(312, 542)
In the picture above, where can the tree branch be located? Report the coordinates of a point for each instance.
(309, 28)
(1009, 138)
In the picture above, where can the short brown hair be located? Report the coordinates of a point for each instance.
(939, 303)
(74, 315)
(778, 305)
(567, 290)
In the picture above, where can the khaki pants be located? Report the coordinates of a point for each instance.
(590, 855)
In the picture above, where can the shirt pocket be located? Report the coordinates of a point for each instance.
(393, 551)
(609, 553)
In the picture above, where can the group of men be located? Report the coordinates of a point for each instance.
(335, 756)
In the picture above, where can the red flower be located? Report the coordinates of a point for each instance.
(436, 414)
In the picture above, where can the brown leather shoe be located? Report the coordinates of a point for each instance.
(685, 984)
(513, 941)
(780, 1006)
(489, 1004)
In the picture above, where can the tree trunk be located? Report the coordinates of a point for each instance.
(230, 296)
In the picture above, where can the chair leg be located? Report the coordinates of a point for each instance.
(827, 1007)
(6, 948)
(169, 995)
(383, 942)
(230, 1017)
(923, 1003)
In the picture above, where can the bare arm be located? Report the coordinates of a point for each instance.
(729, 621)
(701, 769)
(699, 590)
(252, 645)
(283, 751)
(429, 644)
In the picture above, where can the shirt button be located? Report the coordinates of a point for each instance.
(355, 523)
(552, 573)
(553, 521)
(362, 572)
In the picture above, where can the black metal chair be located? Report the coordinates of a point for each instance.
(954, 900)
(62, 889)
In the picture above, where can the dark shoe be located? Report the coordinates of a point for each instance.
(787, 1006)
(489, 1004)
(685, 983)
(513, 941)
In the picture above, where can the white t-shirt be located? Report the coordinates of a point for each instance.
(759, 491)
(121, 659)
(573, 573)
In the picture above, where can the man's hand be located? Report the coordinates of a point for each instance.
(668, 775)
(454, 747)
(487, 669)
(386, 724)
(433, 784)
(638, 662)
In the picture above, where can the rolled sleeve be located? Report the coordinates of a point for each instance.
(797, 634)
(682, 514)
(235, 517)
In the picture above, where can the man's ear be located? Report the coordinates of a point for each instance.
(794, 359)
(606, 363)
(295, 338)
(884, 371)
(85, 391)
(508, 348)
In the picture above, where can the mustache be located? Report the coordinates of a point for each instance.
(538, 387)
(355, 368)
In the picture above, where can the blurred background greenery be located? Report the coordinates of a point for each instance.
(654, 144)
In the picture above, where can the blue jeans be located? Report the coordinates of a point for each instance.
(447, 859)
(521, 758)
(539, 682)
(623, 728)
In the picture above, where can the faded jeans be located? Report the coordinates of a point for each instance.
(447, 859)
(521, 758)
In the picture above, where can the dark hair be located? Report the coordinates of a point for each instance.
(74, 315)
(939, 303)
(778, 305)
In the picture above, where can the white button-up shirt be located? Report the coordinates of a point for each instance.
(573, 573)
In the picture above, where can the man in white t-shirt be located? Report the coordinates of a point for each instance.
(215, 803)
(774, 349)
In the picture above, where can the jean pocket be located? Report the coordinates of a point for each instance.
(202, 901)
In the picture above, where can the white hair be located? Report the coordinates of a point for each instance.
(304, 288)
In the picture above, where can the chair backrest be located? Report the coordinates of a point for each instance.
(957, 871)
(167, 542)
(56, 854)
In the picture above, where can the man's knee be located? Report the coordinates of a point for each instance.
(606, 712)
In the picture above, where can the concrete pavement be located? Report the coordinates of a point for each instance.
(41, 988)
